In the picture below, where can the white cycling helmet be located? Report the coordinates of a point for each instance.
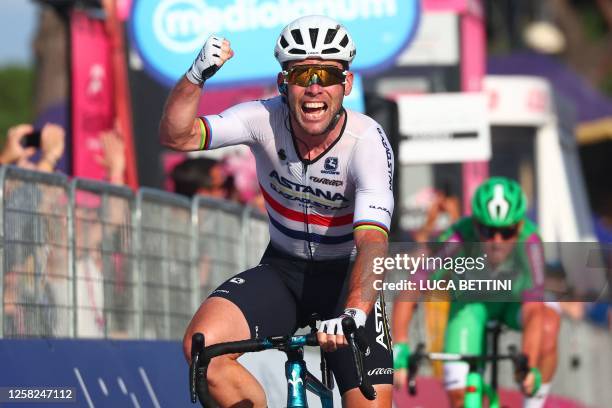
(314, 37)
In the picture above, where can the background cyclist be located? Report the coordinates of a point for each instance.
(512, 244)
(326, 174)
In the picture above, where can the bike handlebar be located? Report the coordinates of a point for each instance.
(201, 356)
(519, 361)
(242, 346)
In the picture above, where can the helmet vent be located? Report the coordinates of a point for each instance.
(296, 51)
(297, 36)
(314, 32)
(283, 42)
(330, 51)
(344, 41)
(498, 206)
(329, 36)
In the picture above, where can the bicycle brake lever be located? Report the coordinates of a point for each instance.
(352, 331)
(198, 368)
(365, 387)
(521, 367)
(197, 345)
(362, 342)
(520, 363)
(359, 347)
(413, 367)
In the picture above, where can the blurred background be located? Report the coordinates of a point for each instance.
(465, 89)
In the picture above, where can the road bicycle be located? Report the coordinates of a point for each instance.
(299, 379)
(477, 390)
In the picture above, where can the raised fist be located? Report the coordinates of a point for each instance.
(214, 53)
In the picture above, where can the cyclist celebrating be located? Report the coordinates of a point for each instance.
(512, 245)
(326, 174)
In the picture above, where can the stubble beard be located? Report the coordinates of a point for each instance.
(324, 130)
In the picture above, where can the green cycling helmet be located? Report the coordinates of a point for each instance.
(499, 202)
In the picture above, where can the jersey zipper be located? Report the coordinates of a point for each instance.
(306, 213)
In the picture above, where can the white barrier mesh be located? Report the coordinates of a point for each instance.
(165, 263)
(106, 284)
(37, 292)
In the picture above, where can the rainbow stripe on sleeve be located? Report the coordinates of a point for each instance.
(370, 224)
(205, 133)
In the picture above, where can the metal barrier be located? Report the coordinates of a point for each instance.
(90, 259)
(106, 292)
(165, 233)
(220, 249)
(257, 236)
(36, 262)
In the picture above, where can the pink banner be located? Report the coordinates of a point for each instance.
(474, 173)
(473, 53)
(92, 93)
(457, 6)
(473, 57)
(123, 9)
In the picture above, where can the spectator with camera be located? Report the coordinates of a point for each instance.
(22, 143)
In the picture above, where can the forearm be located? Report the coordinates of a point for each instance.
(532, 313)
(177, 127)
(400, 320)
(362, 294)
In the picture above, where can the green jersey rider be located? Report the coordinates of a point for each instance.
(510, 241)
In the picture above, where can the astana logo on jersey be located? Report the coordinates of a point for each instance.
(498, 207)
(307, 194)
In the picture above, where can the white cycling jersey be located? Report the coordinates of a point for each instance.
(313, 205)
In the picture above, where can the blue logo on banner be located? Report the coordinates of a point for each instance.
(168, 34)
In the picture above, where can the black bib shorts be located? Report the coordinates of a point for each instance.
(279, 296)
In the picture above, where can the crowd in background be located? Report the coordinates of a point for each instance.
(35, 275)
(233, 178)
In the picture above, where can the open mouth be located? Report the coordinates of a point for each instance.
(314, 109)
